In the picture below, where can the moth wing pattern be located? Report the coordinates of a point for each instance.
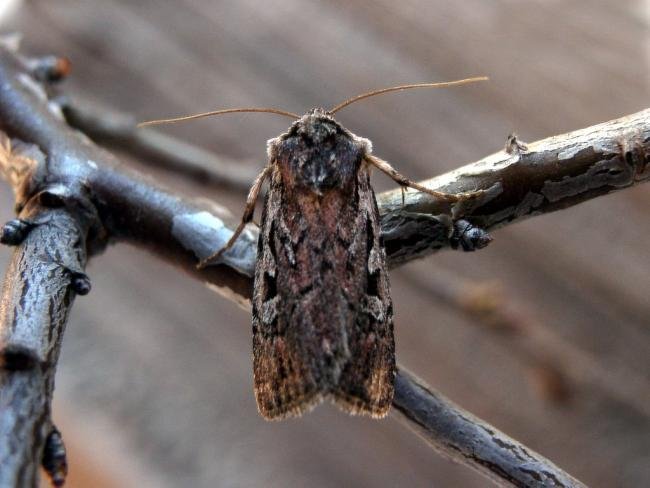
(366, 385)
(283, 382)
(322, 312)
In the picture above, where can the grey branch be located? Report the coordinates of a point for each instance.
(521, 181)
(104, 201)
(464, 438)
(556, 365)
(117, 129)
(537, 178)
(37, 294)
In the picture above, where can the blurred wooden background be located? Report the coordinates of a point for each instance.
(154, 386)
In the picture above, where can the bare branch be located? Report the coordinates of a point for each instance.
(521, 181)
(40, 285)
(556, 364)
(118, 129)
(466, 439)
(541, 177)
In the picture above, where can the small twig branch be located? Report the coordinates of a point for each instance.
(118, 130)
(525, 180)
(544, 176)
(556, 364)
(121, 205)
(521, 181)
(466, 439)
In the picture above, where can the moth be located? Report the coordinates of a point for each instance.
(322, 311)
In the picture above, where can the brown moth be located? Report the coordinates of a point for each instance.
(322, 311)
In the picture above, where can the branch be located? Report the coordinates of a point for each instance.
(524, 181)
(521, 181)
(122, 205)
(105, 125)
(556, 364)
(44, 275)
(464, 438)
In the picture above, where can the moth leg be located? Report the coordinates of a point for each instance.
(403, 188)
(405, 182)
(246, 218)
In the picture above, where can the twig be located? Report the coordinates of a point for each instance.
(466, 439)
(118, 130)
(121, 205)
(537, 178)
(555, 361)
(521, 181)
(542, 177)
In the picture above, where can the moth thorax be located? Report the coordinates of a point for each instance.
(318, 154)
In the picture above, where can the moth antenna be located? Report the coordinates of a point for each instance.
(381, 91)
(218, 112)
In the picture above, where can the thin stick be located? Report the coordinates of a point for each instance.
(406, 87)
(218, 112)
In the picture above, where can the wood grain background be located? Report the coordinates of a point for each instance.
(154, 386)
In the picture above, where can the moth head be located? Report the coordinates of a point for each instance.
(317, 153)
